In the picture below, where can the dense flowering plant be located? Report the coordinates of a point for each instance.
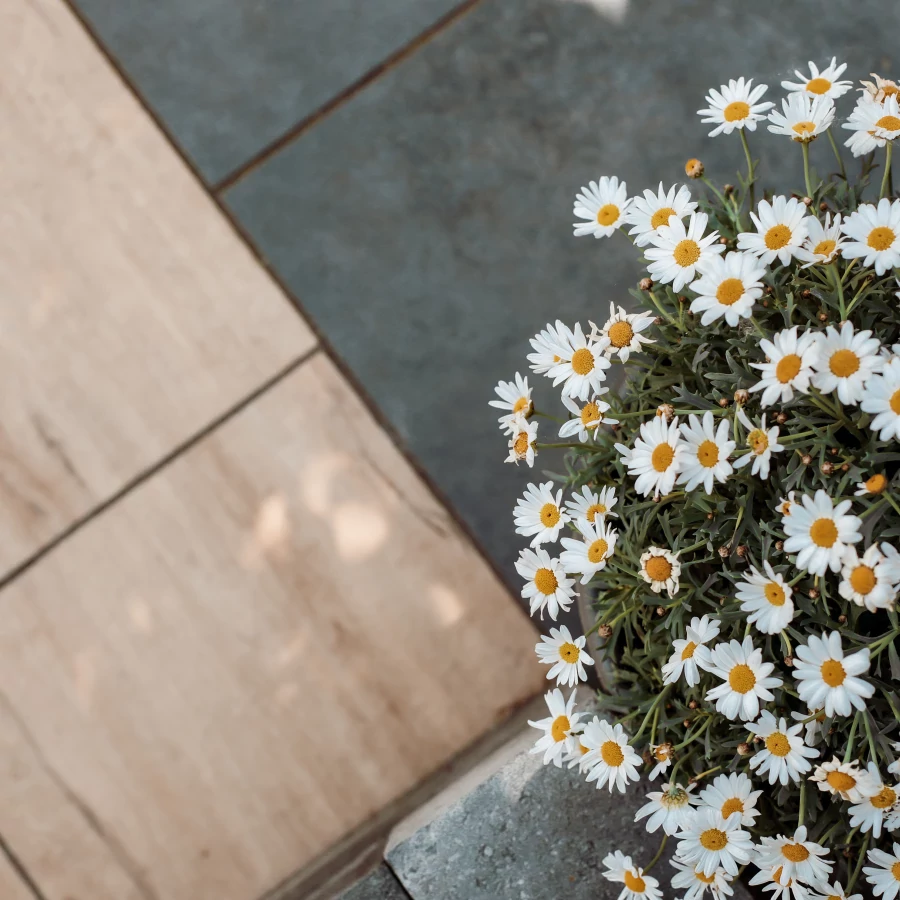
(735, 510)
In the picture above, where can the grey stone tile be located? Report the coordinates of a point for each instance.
(379, 884)
(426, 225)
(227, 78)
(530, 832)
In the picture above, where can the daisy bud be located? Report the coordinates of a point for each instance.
(744, 749)
(769, 290)
(742, 550)
(806, 294)
(845, 467)
(667, 410)
(842, 619)
(723, 240)
(682, 300)
(833, 451)
(781, 418)
(813, 594)
(693, 168)
(807, 201)
(710, 515)
(741, 396)
(725, 551)
(605, 631)
(823, 207)
(823, 317)
(729, 190)
(806, 459)
(660, 611)
(723, 402)
(779, 545)
(645, 284)
(827, 468)
(693, 704)
(789, 661)
(765, 304)
(657, 321)
(686, 723)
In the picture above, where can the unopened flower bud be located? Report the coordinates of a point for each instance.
(789, 661)
(806, 459)
(845, 467)
(779, 545)
(813, 593)
(666, 410)
(605, 631)
(723, 402)
(842, 619)
(823, 316)
(693, 168)
(725, 551)
(729, 190)
(742, 550)
(827, 468)
(781, 418)
(806, 294)
(660, 611)
(657, 321)
(682, 299)
(833, 451)
(710, 515)
(769, 290)
(693, 704)
(686, 723)
(723, 240)
(823, 207)
(645, 284)
(807, 201)
(765, 304)
(744, 749)
(741, 396)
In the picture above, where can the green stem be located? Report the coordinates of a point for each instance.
(862, 851)
(848, 753)
(873, 753)
(695, 778)
(692, 737)
(758, 327)
(809, 190)
(888, 147)
(751, 186)
(657, 700)
(578, 446)
(655, 859)
(802, 813)
(696, 546)
(837, 154)
(840, 288)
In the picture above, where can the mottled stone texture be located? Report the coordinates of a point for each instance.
(377, 885)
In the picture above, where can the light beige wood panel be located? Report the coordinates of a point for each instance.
(257, 649)
(11, 886)
(130, 314)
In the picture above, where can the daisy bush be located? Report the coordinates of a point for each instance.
(732, 508)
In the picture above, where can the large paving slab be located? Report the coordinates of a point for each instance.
(131, 314)
(426, 224)
(228, 78)
(245, 659)
(378, 885)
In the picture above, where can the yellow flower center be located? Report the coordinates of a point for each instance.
(818, 85)
(708, 454)
(803, 129)
(843, 363)
(549, 515)
(840, 781)
(824, 248)
(713, 839)
(559, 728)
(833, 673)
(597, 551)
(520, 445)
(881, 238)
(662, 457)
(895, 871)
(888, 123)
(787, 368)
(758, 441)
(658, 568)
(582, 361)
(569, 652)
(608, 214)
(862, 579)
(620, 334)
(777, 236)
(590, 414)
(706, 879)
(795, 852)
(774, 593)
(686, 253)
(736, 111)
(732, 805)
(885, 798)
(661, 216)
(661, 753)
(730, 291)
(741, 678)
(611, 753)
(877, 482)
(688, 651)
(521, 404)
(545, 581)
(777, 744)
(895, 403)
(634, 883)
(889, 90)
(594, 510)
(823, 532)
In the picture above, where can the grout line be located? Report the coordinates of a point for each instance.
(397, 57)
(156, 467)
(20, 870)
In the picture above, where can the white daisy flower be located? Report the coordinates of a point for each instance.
(873, 812)
(711, 841)
(884, 875)
(784, 755)
(788, 366)
(824, 242)
(661, 569)
(762, 441)
(706, 452)
(655, 461)
(880, 88)
(588, 417)
(891, 562)
(690, 653)
(638, 885)
(820, 532)
(874, 233)
(734, 105)
(785, 504)
(845, 361)
(820, 84)
(802, 118)
(746, 679)
(539, 514)
(589, 556)
(873, 123)
(894, 767)
(546, 582)
(767, 598)
(815, 722)
(663, 755)
(790, 890)
(781, 229)
(650, 212)
(623, 330)
(557, 728)
(580, 369)
(799, 859)
(576, 755)
(835, 891)
(732, 794)
(515, 397)
(592, 505)
(728, 287)
(610, 759)
(695, 882)
(844, 779)
(603, 205)
(565, 655)
(550, 346)
(827, 678)
(669, 809)
(864, 580)
(882, 401)
(522, 440)
(679, 254)
(874, 484)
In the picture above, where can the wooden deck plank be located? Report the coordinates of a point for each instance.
(254, 651)
(131, 315)
(11, 886)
